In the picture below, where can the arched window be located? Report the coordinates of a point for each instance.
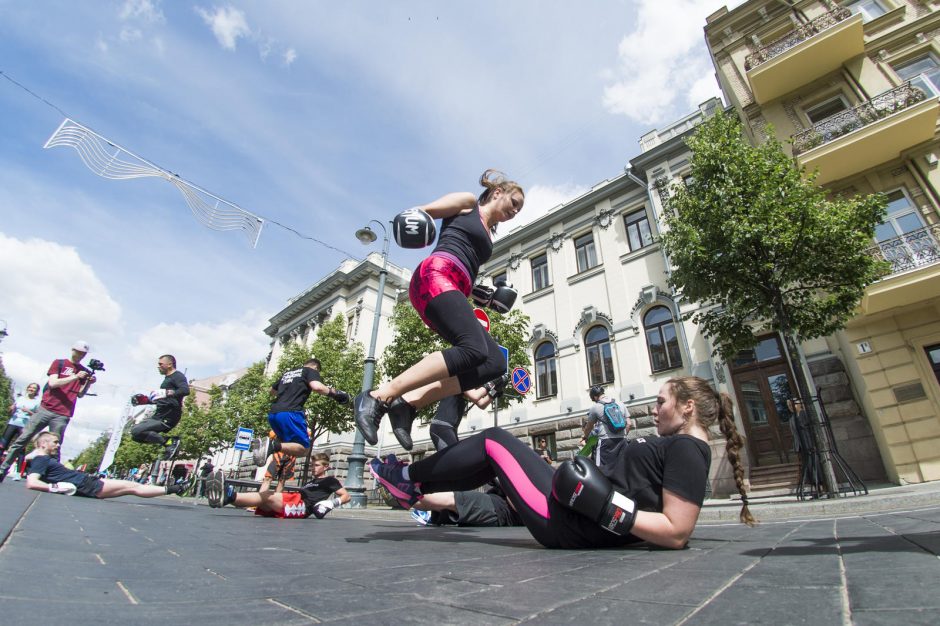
(661, 339)
(546, 375)
(599, 359)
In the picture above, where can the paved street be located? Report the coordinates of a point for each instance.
(133, 561)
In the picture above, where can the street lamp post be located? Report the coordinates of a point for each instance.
(357, 458)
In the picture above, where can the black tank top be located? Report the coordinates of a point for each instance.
(465, 237)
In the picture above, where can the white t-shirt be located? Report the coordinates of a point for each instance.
(23, 403)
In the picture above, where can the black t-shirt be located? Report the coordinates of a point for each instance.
(641, 470)
(466, 238)
(319, 489)
(51, 471)
(293, 389)
(172, 406)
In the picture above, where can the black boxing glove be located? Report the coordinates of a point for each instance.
(414, 229)
(580, 486)
(340, 396)
(482, 295)
(503, 298)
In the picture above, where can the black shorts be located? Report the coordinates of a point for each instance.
(90, 487)
(484, 509)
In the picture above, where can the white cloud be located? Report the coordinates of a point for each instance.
(143, 10)
(290, 56)
(227, 24)
(51, 292)
(215, 347)
(100, 44)
(130, 34)
(540, 199)
(663, 62)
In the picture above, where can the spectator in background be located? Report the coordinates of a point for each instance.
(544, 452)
(20, 411)
(204, 474)
(68, 381)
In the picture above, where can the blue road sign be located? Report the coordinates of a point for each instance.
(521, 381)
(505, 352)
(243, 438)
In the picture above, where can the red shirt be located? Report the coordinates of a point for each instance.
(61, 400)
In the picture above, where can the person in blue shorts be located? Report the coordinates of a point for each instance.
(287, 417)
(45, 473)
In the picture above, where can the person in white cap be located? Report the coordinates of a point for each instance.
(68, 381)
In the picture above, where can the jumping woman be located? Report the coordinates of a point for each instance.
(439, 290)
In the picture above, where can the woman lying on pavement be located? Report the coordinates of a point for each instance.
(652, 492)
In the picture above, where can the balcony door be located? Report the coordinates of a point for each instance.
(902, 237)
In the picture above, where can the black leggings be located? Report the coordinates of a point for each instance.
(523, 476)
(148, 431)
(475, 357)
(446, 420)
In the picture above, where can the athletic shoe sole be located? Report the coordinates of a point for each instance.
(215, 489)
(259, 450)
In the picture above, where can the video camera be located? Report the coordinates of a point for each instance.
(95, 365)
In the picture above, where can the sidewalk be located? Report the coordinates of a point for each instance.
(133, 561)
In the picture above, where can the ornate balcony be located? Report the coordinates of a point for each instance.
(867, 135)
(795, 37)
(915, 271)
(911, 250)
(805, 54)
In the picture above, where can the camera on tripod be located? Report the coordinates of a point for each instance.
(95, 365)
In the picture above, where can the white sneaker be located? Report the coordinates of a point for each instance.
(422, 517)
(259, 450)
(15, 476)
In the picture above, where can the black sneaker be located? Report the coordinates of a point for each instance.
(215, 489)
(402, 415)
(259, 450)
(176, 490)
(172, 446)
(369, 412)
(229, 495)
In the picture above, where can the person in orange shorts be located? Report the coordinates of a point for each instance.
(318, 497)
(280, 469)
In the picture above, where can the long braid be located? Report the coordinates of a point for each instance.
(732, 447)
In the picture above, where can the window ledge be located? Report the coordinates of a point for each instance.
(882, 21)
(636, 254)
(535, 295)
(668, 369)
(588, 273)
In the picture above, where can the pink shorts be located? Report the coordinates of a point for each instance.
(438, 273)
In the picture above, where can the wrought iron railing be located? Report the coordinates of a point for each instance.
(795, 37)
(911, 250)
(843, 123)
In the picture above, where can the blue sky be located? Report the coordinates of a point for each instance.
(318, 115)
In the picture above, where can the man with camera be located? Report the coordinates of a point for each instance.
(168, 400)
(68, 381)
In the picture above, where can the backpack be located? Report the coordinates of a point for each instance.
(613, 417)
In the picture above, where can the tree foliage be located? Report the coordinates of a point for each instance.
(412, 341)
(758, 244)
(93, 453)
(6, 394)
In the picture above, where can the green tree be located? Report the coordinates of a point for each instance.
(6, 395)
(93, 453)
(760, 246)
(412, 341)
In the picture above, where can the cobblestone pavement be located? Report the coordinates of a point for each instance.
(133, 561)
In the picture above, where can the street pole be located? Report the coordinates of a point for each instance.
(357, 458)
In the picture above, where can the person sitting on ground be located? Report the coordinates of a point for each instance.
(653, 491)
(45, 473)
(318, 497)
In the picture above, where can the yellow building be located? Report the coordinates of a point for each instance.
(851, 88)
